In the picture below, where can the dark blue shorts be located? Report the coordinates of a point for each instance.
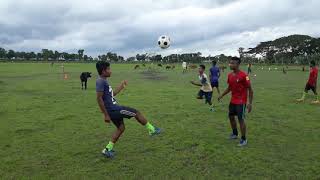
(207, 95)
(215, 84)
(118, 115)
(238, 110)
(310, 87)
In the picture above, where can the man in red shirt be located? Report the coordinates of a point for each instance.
(239, 86)
(312, 83)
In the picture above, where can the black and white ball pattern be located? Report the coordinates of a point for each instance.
(164, 42)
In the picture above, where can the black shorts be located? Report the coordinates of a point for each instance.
(238, 110)
(207, 95)
(215, 84)
(310, 87)
(118, 115)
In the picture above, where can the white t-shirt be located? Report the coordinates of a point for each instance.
(206, 86)
(184, 65)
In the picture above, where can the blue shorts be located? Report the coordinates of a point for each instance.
(215, 84)
(123, 112)
(207, 95)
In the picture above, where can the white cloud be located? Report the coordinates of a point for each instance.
(130, 27)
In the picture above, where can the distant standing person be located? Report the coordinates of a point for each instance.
(214, 76)
(249, 68)
(239, 86)
(184, 67)
(311, 84)
(62, 66)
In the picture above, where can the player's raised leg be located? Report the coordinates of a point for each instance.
(143, 121)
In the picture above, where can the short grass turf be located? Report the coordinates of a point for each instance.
(50, 128)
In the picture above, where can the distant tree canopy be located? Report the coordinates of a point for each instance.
(44, 55)
(295, 49)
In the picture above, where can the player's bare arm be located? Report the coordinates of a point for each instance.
(122, 85)
(107, 118)
(249, 106)
(196, 84)
(224, 93)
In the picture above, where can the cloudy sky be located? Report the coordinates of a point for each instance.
(129, 27)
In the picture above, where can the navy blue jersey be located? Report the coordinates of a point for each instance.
(215, 74)
(109, 101)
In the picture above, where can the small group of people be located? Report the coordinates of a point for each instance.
(238, 84)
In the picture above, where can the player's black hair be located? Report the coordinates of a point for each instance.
(313, 63)
(214, 62)
(236, 59)
(203, 66)
(102, 65)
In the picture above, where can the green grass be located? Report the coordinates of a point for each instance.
(50, 128)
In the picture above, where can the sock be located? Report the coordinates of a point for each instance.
(235, 131)
(150, 127)
(243, 137)
(110, 146)
(303, 95)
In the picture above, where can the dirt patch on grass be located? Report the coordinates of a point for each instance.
(153, 75)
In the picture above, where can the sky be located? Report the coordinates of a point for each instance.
(128, 27)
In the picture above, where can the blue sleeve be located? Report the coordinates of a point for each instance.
(100, 84)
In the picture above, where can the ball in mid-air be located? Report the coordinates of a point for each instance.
(164, 42)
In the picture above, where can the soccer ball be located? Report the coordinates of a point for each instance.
(164, 42)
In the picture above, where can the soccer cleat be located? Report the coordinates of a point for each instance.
(233, 136)
(212, 109)
(242, 143)
(315, 102)
(300, 100)
(107, 153)
(156, 131)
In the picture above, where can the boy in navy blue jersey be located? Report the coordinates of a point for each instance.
(214, 76)
(114, 112)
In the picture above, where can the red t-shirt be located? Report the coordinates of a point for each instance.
(239, 84)
(313, 76)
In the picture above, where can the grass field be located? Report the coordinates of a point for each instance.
(50, 128)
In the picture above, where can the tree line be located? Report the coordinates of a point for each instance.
(80, 56)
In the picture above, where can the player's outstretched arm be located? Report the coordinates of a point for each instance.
(107, 118)
(196, 84)
(122, 85)
(224, 93)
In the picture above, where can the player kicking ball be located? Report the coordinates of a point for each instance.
(206, 89)
(114, 112)
(239, 86)
(311, 84)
